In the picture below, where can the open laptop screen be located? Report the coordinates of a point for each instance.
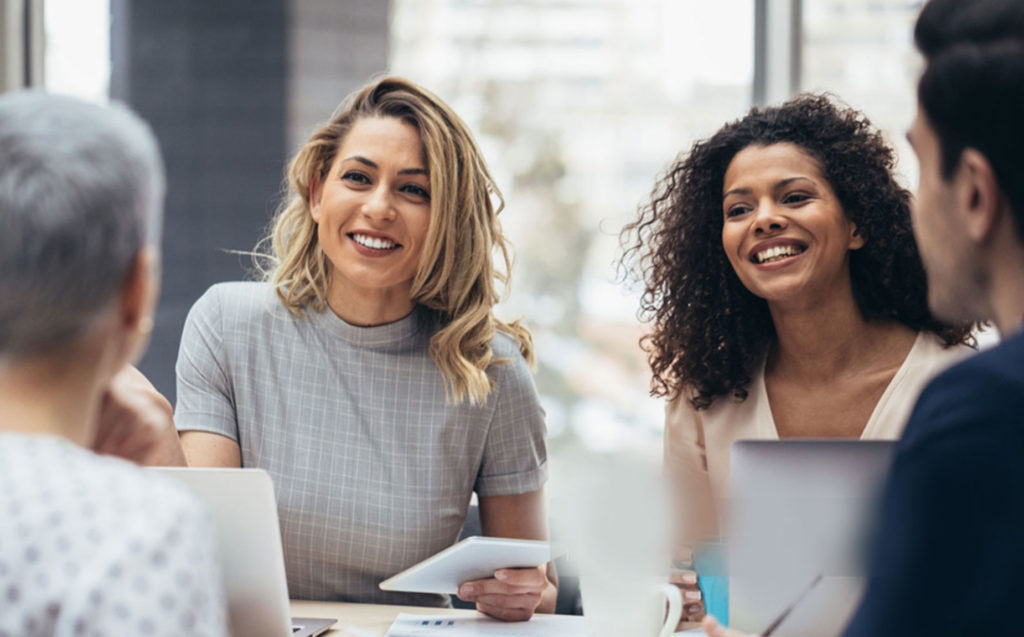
(799, 509)
(249, 541)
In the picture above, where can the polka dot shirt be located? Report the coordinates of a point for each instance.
(94, 546)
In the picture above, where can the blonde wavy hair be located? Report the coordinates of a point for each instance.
(456, 276)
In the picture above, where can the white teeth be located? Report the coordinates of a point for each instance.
(373, 242)
(778, 252)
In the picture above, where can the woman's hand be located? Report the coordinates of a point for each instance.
(513, 594)
(685, 578)
(693, 606)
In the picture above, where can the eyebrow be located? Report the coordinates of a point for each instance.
(371, 164)
(781, 184)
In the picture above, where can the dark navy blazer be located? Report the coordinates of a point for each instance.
(948, 556)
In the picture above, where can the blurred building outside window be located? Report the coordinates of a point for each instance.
(863, 52)
(77, 48)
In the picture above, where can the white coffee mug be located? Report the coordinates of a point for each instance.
(611, 512)
(630, 608)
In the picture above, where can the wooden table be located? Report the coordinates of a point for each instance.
(371, 619)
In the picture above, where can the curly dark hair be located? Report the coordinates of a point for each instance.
(709, 332)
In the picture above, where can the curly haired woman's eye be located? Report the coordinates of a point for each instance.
(736, 211)
(796, 197)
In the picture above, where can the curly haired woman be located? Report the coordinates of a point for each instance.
(786, 293)
(368, 373)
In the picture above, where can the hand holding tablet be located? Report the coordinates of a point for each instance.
(471, 559)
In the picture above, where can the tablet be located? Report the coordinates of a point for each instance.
(474, 558)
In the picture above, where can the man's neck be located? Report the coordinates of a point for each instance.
(1005, 293)
(50, 396)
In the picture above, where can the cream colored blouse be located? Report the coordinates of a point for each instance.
(697, 443)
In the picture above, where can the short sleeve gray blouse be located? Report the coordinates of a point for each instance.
(373, 469)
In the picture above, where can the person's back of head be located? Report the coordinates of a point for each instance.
(92, 545)
(81, 192)
(972, 90)
(947, 23)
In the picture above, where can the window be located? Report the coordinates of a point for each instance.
(579, 106)
(77, 48)
(863, 51)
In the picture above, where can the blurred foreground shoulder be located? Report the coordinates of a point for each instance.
(103, 547)
(986, 388)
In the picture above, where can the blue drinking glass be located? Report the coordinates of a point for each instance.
(709, 562)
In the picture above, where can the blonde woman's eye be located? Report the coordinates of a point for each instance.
(416, 191)
(356, 177)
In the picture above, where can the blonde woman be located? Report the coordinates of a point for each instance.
(367, 372)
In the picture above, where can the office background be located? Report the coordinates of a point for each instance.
(578, 105)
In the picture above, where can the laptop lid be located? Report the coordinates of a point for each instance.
(799, 509)
(249, 541)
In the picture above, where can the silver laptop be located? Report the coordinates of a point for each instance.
(249, 542)
(800, 509)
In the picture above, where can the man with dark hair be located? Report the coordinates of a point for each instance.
(949, 552)
(949, 555)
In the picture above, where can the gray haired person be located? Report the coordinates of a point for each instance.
(82, 189)
(82, 194)
(91, 544)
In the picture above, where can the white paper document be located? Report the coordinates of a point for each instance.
(408, 625)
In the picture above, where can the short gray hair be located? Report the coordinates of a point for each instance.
(81, 193)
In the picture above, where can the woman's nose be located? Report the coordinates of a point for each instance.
(767, 218)
(379, 205)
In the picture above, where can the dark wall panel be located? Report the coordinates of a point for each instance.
(210, 77)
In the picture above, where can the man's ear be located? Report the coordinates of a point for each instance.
(314, 196)
(978, 194)
(138, 300)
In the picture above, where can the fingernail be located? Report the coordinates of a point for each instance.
(466, 590)
(693, 609)
(683, 577)
(691, 595)
(683, 555)
(502, 575)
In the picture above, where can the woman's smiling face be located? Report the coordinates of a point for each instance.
(784, 230)
(373, 211)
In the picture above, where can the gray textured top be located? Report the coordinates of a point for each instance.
(373, 470)
(93, 545)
